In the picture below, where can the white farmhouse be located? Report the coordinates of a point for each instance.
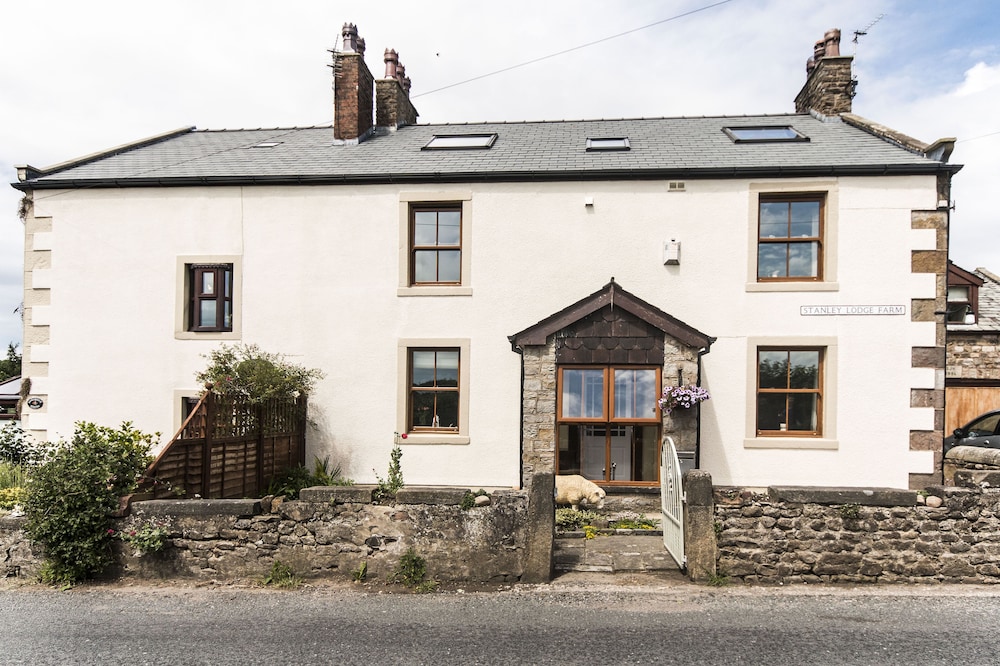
(515, 296)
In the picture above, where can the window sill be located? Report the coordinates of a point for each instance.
(791, 443)
(793, 286)
(434, 291)
(206, 335)
(434, 438)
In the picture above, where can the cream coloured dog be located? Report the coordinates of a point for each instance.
(575, 490)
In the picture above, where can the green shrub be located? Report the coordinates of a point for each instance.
(248, 371)
(71, 496)
(283, 576)
(147, 537)
(17, 448)
(630, 520)
(571, 519)
(412, 572)
(12, 475)
(469, 499)
(290, 482)
(11, 497)
(388, 487)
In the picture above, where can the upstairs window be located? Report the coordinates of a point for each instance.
(211, 299)
(790, 238)
(436, 244)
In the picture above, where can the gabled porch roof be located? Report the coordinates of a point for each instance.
(614, 295)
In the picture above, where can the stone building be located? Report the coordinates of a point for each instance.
(973, 374)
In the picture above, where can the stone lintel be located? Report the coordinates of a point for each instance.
(843, 495)
(196, 507)
(430, 495)
(361, 494)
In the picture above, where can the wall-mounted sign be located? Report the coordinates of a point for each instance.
(839, 310)
(34, 403)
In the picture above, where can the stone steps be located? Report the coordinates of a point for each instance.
(612, 551)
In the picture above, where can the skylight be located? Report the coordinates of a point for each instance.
(266, 144)
(608, 143)
(763, 134)
(460, 141)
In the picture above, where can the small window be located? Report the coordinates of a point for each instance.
(790, 238)
(789, 392)
(960, 309)
(433, 403)
(436, 245)
(762, 134)
(620, 143)
(211, 299)
(460, 141)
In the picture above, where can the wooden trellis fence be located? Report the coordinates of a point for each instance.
(229, 448)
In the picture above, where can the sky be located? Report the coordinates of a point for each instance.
(78, 78)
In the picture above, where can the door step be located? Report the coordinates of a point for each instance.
(612, 551)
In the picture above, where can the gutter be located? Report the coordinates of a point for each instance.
(45, 182)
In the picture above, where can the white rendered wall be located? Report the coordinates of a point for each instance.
(320, 275)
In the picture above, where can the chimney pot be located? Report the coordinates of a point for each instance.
(391, 60)
(819, 50)
(831, 41)
(350, 36)
(361, 46)
(400, 73)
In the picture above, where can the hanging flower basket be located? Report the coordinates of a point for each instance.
(682, 397)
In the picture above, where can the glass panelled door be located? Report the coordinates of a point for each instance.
(609, 423)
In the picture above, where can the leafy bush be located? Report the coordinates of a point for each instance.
(12, 475)
(283, 576)
(248, 371)
(388, 487)
(145, 538)
(412, 572)
(293, 480)
(71, 496)
(630, 520)
(571, 519)
(11, 497)
(18, 448)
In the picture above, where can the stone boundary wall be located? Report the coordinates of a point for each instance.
(328, 532)
(852, 535)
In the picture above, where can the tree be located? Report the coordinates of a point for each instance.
(10, 366)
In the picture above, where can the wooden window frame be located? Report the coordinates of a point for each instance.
(819, 198)
(788, 391)
(221, 296)
(608, 399)
(412, 389)
(436, 207)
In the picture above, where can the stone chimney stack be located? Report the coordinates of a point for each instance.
(829, 86)
(352, 89)
(393, 108)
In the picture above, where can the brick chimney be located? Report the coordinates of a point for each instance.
(393, 107)
(829, 86)
(352, 89)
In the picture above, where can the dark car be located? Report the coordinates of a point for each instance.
(982, 431)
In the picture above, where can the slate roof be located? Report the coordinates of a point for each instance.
(548, 150)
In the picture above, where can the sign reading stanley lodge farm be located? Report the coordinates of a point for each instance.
(812, 310)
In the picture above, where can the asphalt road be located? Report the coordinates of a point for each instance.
(584, 621)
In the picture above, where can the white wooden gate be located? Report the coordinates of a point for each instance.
(672, 502)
